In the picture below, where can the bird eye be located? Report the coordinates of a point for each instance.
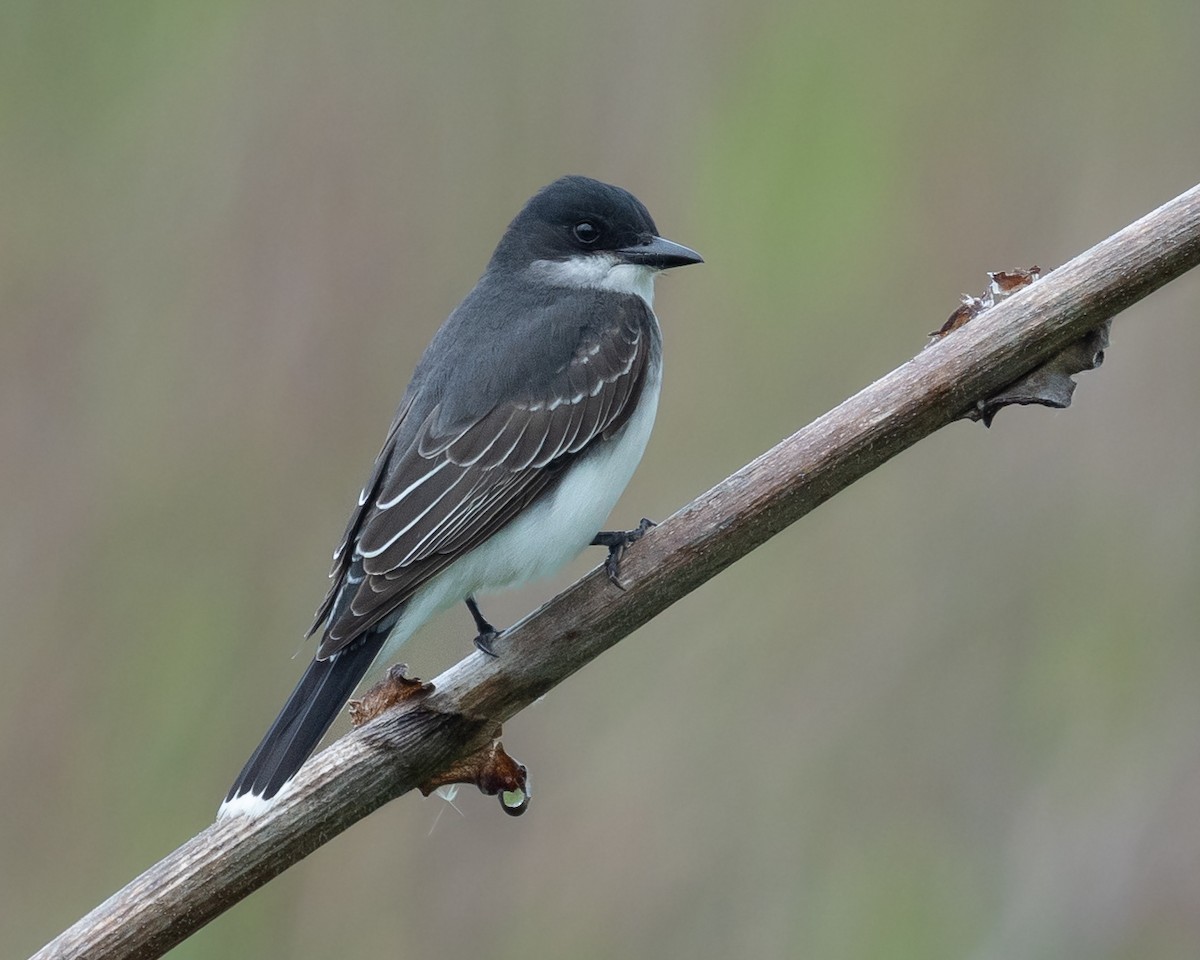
(586, 232)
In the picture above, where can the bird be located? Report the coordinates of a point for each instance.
(524, 421)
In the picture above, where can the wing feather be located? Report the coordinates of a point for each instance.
(451, 486)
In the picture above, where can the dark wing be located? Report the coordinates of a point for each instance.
(449, 488)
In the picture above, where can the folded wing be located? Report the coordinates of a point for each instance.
(454, 485)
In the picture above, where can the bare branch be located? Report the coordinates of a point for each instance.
(407, 745)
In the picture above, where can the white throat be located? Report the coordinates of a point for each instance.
(597, 271)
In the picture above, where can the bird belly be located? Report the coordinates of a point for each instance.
(546, 535)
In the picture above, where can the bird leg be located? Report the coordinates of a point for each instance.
(617, 541)
(487, 633)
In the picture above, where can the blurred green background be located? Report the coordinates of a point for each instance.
(954, 713)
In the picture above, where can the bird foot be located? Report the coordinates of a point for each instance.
(487, 635)
(484, 640)
(617, 542)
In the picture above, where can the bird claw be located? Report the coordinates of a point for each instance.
(612, 565)
(617, 542)
(485, 639)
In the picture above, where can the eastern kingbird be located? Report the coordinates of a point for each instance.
(522, 425)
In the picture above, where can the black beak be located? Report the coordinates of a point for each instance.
(660, 253)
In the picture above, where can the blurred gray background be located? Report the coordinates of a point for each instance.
(953, 713)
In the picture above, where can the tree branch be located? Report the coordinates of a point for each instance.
(408, 744)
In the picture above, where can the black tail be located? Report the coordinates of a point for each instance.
(308, 713)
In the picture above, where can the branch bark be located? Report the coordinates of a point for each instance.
(408, 744)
